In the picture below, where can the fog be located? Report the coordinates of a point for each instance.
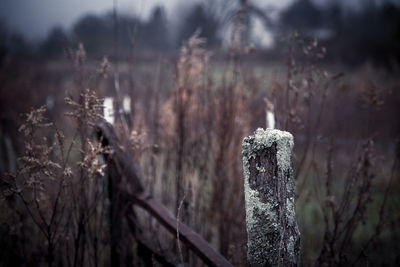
(34, 19)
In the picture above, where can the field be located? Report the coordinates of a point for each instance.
(183, 128)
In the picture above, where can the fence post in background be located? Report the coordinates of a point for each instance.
(273, 235)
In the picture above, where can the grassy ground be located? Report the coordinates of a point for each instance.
(206, 110)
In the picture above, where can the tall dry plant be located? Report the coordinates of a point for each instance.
(304, 100)
(59, 193)
(186, 135)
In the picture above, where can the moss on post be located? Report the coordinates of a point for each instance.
(273, 235)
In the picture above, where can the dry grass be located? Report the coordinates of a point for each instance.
(185, 131)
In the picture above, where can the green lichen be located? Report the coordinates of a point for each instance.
(260, 168)
(263, 226)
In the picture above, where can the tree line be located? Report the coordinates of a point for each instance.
(371, 32)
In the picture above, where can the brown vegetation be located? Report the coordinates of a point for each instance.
(185, 132)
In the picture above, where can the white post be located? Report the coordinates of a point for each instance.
(108, 111)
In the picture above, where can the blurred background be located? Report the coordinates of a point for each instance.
(368, 30)
(183, 82)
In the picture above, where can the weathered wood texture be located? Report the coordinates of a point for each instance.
(273, 235)
(132, 190)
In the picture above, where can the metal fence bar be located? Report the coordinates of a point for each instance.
(133, 190)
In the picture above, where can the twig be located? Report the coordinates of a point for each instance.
(177, 229)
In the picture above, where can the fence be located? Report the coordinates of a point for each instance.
(273, 235)
(120, 168)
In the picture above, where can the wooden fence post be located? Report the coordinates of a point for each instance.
(273, 235)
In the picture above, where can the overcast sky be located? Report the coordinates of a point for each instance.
(34, 18)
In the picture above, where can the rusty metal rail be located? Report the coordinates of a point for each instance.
(133, 191)
(190, 238)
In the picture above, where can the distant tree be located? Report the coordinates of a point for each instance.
(335, 15)
(374, 31)
(14, 44)
(18, 46)
(199, 17)
(303, 15)
(129, 30)
(155, 31)
(370, 33)
(54, 43)
(390, 15)
(3, 41)
(95, 32)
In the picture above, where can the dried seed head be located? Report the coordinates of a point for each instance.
(34, 120)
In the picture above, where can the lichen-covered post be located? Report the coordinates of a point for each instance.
(273, 235)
